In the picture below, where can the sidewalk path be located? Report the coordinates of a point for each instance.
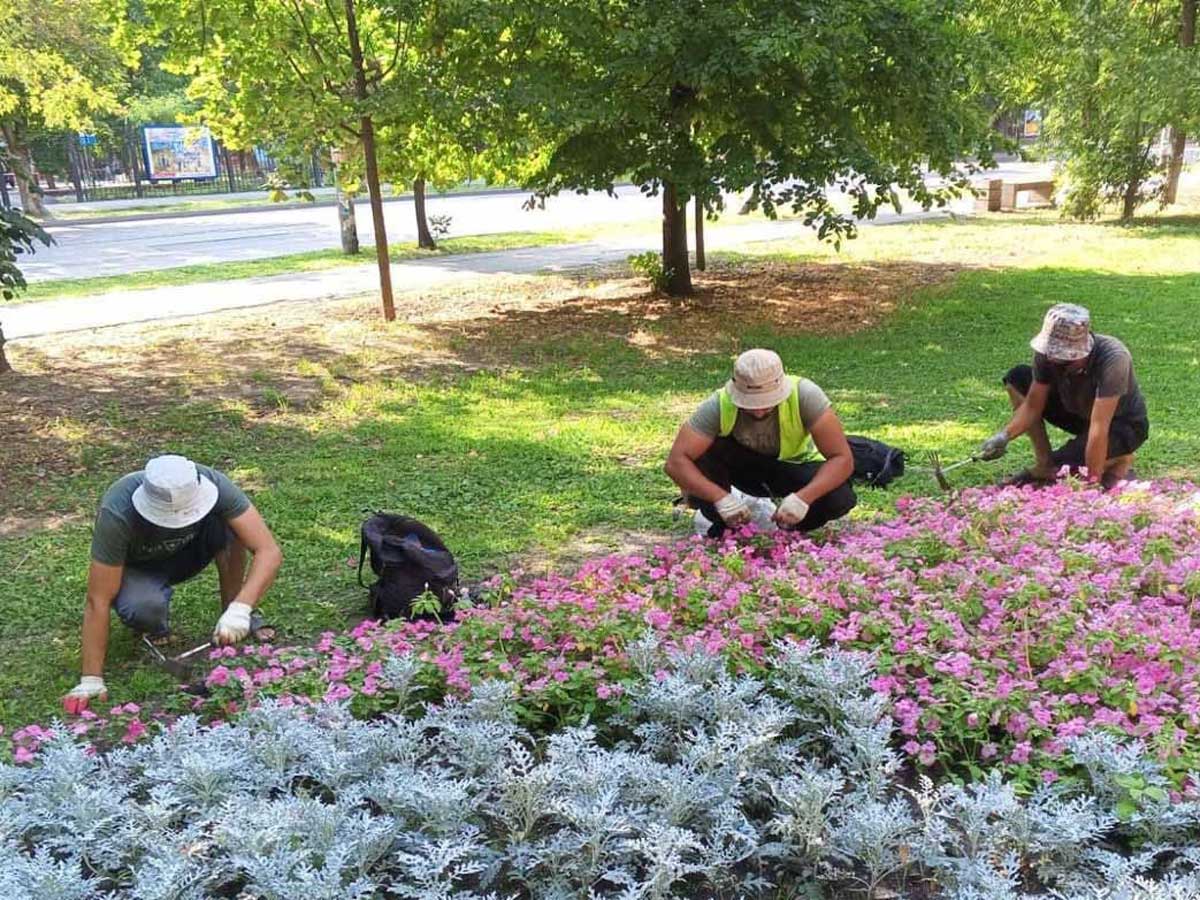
(126, 307)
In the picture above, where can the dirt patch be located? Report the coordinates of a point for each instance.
(568, 556)
(87, 401)
(15, 526)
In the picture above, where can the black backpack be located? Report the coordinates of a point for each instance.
(409, 559)
(875, 463)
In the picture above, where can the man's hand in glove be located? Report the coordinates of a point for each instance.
(734, 511)
(995, 446)
(90, 687)
(234, 624)
(791, 511)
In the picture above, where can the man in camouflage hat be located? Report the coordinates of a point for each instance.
(1084, 384)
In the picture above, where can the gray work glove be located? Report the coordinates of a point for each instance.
(733, 510)
(995, 446)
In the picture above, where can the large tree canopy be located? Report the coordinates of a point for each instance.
(60, 69)
(692, 98)
(1111, 75)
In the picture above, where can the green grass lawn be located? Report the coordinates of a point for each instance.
(564, 435)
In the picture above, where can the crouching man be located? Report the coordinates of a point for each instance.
(160, 527)
(1084, 384)
(754, 434)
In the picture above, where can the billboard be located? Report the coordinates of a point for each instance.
(1033, 123)
(174, 151)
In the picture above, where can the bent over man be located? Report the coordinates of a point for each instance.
(754, 434)
(1084, 384)
(155, 529)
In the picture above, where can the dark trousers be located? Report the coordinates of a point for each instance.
(730, 465)
(144, 599)
(1124, 435)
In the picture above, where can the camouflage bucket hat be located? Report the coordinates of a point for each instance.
(1066, 333)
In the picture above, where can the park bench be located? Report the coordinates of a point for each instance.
(1002, 194)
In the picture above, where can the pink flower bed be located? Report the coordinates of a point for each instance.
(1003, 623)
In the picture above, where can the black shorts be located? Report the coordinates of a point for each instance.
(1124, 435)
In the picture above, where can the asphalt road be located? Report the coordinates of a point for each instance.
(113, 248)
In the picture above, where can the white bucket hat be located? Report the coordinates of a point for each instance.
(1066, 333)
(758, 380)
(173, 494)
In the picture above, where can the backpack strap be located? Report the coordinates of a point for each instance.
(362, 554)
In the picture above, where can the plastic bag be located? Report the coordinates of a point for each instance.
(761, 511)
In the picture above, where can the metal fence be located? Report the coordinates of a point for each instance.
(118, 172)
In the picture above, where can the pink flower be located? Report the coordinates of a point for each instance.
(217, 677)
(23, 755)
(135, 730)
(337, 692)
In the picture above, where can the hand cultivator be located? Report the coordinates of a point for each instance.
(180, 665)
(939, 471)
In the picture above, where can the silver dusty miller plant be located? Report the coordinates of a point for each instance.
(709, 785)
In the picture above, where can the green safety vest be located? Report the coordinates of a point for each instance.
(793, 436)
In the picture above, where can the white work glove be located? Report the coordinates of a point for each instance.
(733, 510)
(995, 446)
(234, 624)
(90, 687)
(791, 511)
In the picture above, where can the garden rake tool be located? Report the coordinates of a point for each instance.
(180, 665)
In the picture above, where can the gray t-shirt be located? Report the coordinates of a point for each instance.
(759, 435)
(1108, 373)
(121, 536)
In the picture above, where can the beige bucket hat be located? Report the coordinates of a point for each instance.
(1066, 333)
(758, 380)
(173, 493)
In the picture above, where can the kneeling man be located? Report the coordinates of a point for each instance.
(1082, 383)
(155, 529)
(753, 434)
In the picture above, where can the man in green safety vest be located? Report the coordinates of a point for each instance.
(756, 434)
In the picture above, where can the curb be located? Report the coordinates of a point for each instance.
(53, 224)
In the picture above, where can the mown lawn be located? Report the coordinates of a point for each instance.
(525, 432)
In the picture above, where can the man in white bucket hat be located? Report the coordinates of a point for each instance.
(756, 434)
(1084, 384)
(155, 529)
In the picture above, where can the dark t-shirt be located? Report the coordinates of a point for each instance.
(122, 537)
(1108, 373)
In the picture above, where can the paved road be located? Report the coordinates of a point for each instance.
(113, 248)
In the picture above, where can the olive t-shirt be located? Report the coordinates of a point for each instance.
(759, 435)
(121, 536)
(1108, 373)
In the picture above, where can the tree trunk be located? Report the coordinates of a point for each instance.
(22, 166)
(372, 165)
(424, 239)
(227, 162)
(135, 168)
(347, 223)
(674, 246)
(4, 366)
(699, 234)
(73, 169)
(1187, 38)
